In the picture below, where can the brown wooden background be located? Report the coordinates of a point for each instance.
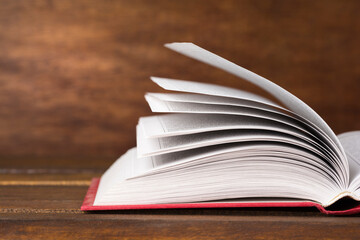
(73, 73)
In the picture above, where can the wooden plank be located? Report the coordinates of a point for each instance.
(42, 197)
(142, 226)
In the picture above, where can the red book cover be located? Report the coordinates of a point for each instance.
(91, 193)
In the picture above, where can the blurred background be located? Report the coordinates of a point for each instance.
(73, 73)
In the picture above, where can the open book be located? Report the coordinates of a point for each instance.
(221, 147)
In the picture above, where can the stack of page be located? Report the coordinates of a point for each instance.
(215, 146)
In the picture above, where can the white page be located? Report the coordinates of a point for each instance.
(180, 124)
(158, 105)
(156, 146)
(351, 143)
(289, 100)
(210, 99)
(126, 166)
(209, 89)
(257, 177)
(220, 91)
(237, 152)
(213, 179)
(217, 100)
(219, 153)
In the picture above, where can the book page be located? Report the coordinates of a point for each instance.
(212, 173)
(209, 89)
(211, 99)
(351, 144)
(286, 98)
(181, 124)
(158, 105)
(235, 152)
(126, 166)
(156, 146)
(225, 92)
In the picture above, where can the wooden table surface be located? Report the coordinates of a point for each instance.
(72, 79)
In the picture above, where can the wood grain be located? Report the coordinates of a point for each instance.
(180, 227)
(73, 74)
